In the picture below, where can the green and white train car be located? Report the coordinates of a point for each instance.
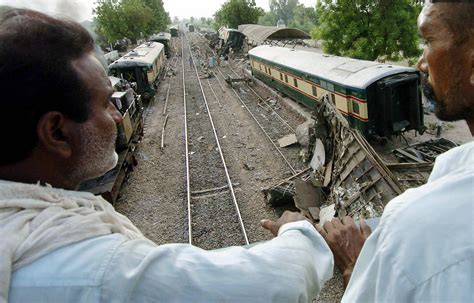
(144, 65)
(378, 99)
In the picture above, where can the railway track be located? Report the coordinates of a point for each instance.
(214, 218)
(272, 124)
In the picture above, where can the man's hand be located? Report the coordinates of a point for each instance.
(287, 217)
(345, 240)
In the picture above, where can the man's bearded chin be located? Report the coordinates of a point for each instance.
(428, 92)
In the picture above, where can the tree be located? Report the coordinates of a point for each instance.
(235, 12)
(369, 29)
(268, 18)
(304, 18)
(283, 9)
(133, 19)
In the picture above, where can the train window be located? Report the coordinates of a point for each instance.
(281, 76)
(286, 78)
(333, 98)
(330, 86)
(295, 82)
(355, 107)
(260, 66)
(266, 70)
(270, 71)
(315, 92)
(323, 84)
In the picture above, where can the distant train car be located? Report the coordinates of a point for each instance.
(163, 38)
(143, 66)
(191, 28)
(378, 99)
(174, 31)
(230, 38)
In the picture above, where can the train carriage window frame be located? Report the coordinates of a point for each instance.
(286, 78)
(323, 84)
(330, 86)
(281, 76)
(266, 72)
(333, 98)
(355, 107)
(295, 82)
(315, 90)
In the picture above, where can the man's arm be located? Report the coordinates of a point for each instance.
(345, 239)
(292, 267)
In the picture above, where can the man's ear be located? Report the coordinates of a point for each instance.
(52, 131)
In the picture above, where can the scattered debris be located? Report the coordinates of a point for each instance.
(424, 152)
(287, 140)
(302, 133)
(326, 214)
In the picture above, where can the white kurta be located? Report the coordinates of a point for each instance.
(290, 268)
(423, 248)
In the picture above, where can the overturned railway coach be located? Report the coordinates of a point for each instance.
(378, 99)
(144, 65)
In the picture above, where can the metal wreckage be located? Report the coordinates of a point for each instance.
(346, 176)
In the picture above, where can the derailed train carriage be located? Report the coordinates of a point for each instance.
(380, 100)
(144, 66)
(165, 39)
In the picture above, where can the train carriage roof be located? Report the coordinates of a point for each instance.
(161, 36)
(143, 55)
(257, 34)
(344, 71)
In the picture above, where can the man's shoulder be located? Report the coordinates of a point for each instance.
(77, 265)
(428, 229)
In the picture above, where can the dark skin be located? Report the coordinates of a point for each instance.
(57, 145)
(450, 70)
(345, 239)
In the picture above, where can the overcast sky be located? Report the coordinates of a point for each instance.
(81, 10)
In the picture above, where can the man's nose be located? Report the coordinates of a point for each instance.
(421, 65)
(116, 115)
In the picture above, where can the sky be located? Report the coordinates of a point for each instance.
(81, 10)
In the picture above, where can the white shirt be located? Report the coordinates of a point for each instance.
(423, 248)
(290, 268)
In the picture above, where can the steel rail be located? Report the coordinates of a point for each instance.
(229, 182)
(252, 115)
(188, 184)
(266, 134)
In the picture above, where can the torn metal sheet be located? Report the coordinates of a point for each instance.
(287, 140)
(308, 197)
(424, 152)
(319, 156)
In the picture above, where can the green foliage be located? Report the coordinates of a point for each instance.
(304, 18)
(268, 18)
(294, 15)
(283, 9)
(235, 12)
(117, 19)
(369, 29)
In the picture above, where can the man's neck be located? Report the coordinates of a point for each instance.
(30, 172)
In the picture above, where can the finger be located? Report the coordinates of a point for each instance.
(320, 230)
(364, 228)
(270, 225)
(336, 223)
(347, 221)
(328, 227)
